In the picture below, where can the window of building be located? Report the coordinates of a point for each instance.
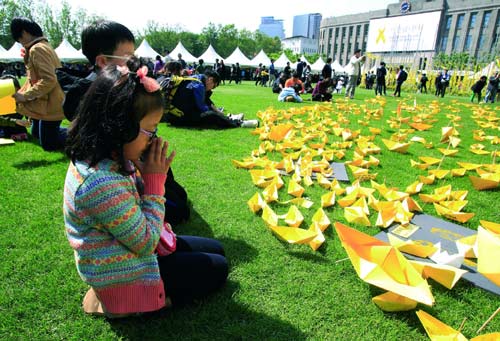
(336, 33)
(468, 42)
(444, 42)
(343, 32)
(460, 21)
(448, 23)
(486, 19)
(456, 42)
(366, 29)
(473, 18)
(358, 30)
(330, 34)
(480, 44)
(350, 31)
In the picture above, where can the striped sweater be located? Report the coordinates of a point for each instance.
(114, 232)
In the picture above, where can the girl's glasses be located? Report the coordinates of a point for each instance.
(126, 57)
(150, 134)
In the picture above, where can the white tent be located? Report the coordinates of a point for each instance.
(260, 58)
(2, 49)
(209, 56)
(146, 51)
(67, 53)
(318, 65)
(281, 61)
(488, 71)
(237, 57)
(337, 67)
(188, 57)
(13, 54)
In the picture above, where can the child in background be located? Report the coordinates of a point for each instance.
(114, 205)
(477, 88)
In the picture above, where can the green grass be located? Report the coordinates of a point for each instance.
(275, 291)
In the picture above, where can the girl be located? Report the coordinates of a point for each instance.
(114, 204)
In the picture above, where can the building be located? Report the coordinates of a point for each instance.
(300, 45)
(413, 32)
(272, 27)
(307, 25)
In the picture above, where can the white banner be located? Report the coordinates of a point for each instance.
(416, 32)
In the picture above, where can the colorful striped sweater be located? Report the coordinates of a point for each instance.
(114, 232)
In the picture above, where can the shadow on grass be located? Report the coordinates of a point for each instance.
(216, 318)
(27, 165)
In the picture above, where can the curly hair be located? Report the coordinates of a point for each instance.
(109, 115)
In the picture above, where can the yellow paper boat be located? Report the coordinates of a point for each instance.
(445, 275)
(294, 235)
(482, 184)
(356, 215)
(429, 160)
(328, 199)
(396, 146)
(448, 152)
(392, 302)
(319, 239)
(437, 330)
(256, 203)
(382, 265)
(452, 215)
(294, 218)
(321, 219)
(490, 226)
(488, 254)
(412, 248)
(7, 102)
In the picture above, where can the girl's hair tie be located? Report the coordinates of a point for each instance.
(150, 84)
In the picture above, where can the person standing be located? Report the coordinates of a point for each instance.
(300, 68)
(445, 81)
(381, 73)
(272, 73)
(423, 83)
(492, 89)
(354, 72)
(477, 88)
(182, 61)
(41, 97)
(400, 79)
(326, 72)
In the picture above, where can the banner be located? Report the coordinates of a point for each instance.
(417, 32)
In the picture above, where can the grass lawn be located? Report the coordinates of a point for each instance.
(275, 291)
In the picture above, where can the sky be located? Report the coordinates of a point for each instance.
(195, 15)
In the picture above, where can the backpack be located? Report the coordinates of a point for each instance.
(74, 88)
(403, 76)
(169, 87)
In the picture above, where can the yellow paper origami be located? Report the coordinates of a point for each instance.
(294, 218)
(294, 235)
(414, 188)
(448, 152)
(392, 302)
(453, 215)
(445, 275)
(490, 226)
(295, 189)
(429, 160)
(270, 193)
(437, 330)
(321, 219)
(328, 199)
(458, 171)
(412, 248)
(256, 203)
(396, 146)
(279, 132)
(382, 265)
(356, 215)
(488, 249)
(482, 184)
(269, 216)
(319, 239)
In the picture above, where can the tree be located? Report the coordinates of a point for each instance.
(10, 9)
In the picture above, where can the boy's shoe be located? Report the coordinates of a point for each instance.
(19, 137)
(236, 117)
(250, 124)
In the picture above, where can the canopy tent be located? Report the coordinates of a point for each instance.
(13, 54)
(188, 57)
(209, 56)
(260, 58)
(146, 51)
(337, 68)
(489, 70)
(237, 57)
(318, 65)
(67, 53)
(2, 49)
(282, 60)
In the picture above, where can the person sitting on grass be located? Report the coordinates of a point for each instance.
(291, 94)
(114, 204)
(188, 103)
(295, 82)
(322, 91)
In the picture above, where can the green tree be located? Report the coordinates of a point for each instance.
(10, 9)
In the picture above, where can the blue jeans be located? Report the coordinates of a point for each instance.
(196, 268)
(49, 133)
